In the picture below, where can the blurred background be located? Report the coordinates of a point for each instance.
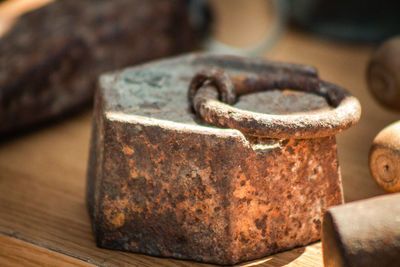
(52, 52)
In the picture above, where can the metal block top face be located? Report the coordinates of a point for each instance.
(160, 90)
(163, 182)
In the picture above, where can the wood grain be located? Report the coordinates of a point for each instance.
(42, 173)
(14, 252)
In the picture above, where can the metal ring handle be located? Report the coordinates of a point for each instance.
(217, 77)
(346, 111)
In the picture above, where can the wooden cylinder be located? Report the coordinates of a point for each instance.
(384, 158)
(383, 74)
(363, 233)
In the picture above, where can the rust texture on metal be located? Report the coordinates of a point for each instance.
(383, 74)
(363, 233)
(51, 58)
(161, 181)
(346, 113)
(384, 158)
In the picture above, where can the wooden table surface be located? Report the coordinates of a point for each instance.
(43, 217)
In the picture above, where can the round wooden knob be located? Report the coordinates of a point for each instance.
(383, 74)
(384, 158)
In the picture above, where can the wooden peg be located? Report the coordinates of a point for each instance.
(384, 158)
(383, 74)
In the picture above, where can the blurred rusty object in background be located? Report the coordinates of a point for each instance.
(384, 158)
(163, 182)
(363, 233)
(51, 58)
(383, 74)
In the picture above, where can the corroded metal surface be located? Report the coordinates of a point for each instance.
(363, 233)
(163, 182)
(51, 58)
(346, 111)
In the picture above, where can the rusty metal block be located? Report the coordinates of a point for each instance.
(163, 181)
